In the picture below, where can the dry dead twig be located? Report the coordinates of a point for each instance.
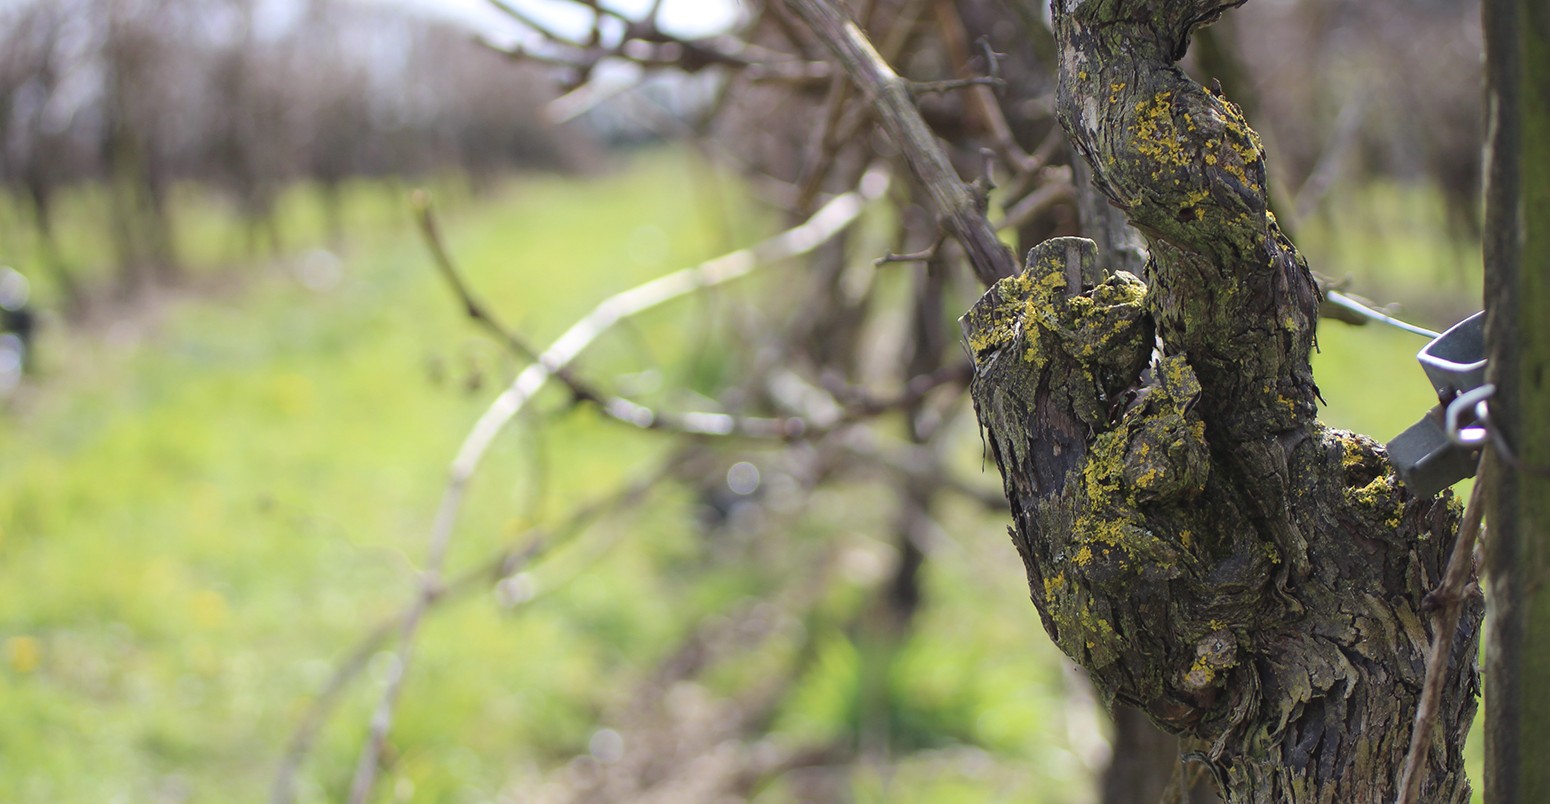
(949, 198)
(833, 218)
(517, 555)
(1448, 600)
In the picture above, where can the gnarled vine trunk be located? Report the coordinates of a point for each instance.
(1193, 537)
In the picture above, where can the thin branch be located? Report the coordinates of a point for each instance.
(798, 73)
(824, 146)
(316, 715)
(949, 197)
(917, 464)
(912, 256)
(531, 23)
(1329, 167)
(614, 407)
(955, 84)
(430, 231)
(1037, 203)
(859, 402)
(828, 221)
(983, 99)
(1448, 599)
(842, 120)
(644, 42)
(518, 554)
(890, 258)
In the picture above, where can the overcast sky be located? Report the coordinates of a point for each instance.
(681, 17)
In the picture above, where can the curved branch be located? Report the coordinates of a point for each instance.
(833, 218)
(949, 198)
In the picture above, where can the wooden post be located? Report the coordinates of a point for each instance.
(1517, 262)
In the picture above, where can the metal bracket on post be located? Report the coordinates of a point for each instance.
(1444, 446)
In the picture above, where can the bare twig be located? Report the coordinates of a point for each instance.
(859, 403)
(948, 196)
(1448, 599)
(798, 73)
(912, 256)
(912, 461)
(1329, 167)
(955, 84)
(505, 562)
(828, 221)
(533, 23)
(842, 120)
(614, 407)
(316, 715)
(824, 146)
(430, 230)
(1037, 202)
(644, 42)
(890, 258)
(983, 99)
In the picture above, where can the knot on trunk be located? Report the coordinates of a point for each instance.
(1193, 538)
(1107, 465)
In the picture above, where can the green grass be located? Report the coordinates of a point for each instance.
(194, 523)
(199, 516)
(1391, 243)
(201, 510)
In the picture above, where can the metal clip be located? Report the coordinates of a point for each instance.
(1444, 446)
(1470, 406)
(1455, 360)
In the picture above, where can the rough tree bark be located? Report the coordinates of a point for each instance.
(1517, 259)
(1144, 760)
(1193, 537)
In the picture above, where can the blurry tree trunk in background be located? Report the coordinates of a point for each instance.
(331, 200)
(886, 630)
(42, 161)
(1143, 759)
(1193, 537)
(42, 196)
(137, 177)
(1517, 260)
(247, 142)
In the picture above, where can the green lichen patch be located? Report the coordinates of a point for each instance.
(1360, 459)
(1157, 454)
(1090, 343)
(1369, 484)
(996, 319)
(1214, 653)
(1082, 630)
(1157, 137)
(1382, 497)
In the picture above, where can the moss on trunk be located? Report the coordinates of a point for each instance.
(1193, 537)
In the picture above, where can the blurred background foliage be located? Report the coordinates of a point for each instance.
(221, 455)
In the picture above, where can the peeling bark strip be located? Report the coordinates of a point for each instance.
(1193, 537)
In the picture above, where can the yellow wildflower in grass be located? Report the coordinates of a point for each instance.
(23, 653)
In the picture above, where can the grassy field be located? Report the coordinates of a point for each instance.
(203, 505)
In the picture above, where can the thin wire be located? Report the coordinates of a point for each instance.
(1339, 299)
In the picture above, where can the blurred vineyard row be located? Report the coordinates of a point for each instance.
(137, 99)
